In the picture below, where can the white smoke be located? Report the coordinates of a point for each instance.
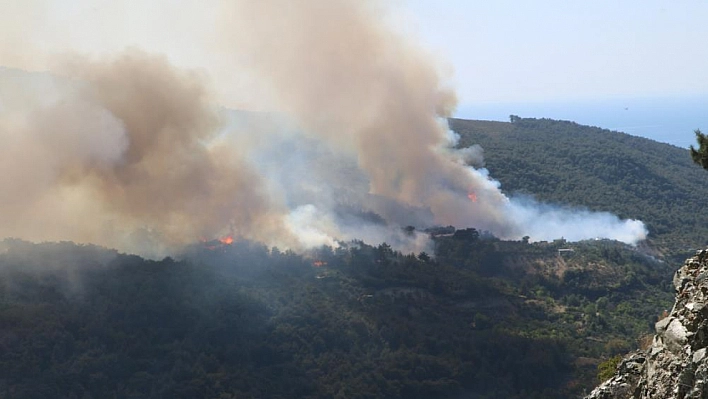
(544, 222)
(127, 150)
(330, 202)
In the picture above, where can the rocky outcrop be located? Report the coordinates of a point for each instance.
(676, 364)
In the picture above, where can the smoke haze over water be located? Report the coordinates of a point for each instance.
(126, 145)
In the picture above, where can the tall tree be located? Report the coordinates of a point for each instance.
(700, 155)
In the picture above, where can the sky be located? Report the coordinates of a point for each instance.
(639, 66)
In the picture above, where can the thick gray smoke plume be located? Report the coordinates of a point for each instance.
(118, 156)
(122, 148)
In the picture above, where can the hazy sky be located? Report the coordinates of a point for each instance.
(549, 50)
(565, 59)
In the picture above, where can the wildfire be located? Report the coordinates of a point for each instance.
(218, 243)
(228, 240)
(319, 263)
(472, 197)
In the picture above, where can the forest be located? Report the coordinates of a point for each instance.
(479, 317)
(566, 163)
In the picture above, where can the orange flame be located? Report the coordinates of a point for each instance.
(228, 240)
(319, 263)
(472, 197)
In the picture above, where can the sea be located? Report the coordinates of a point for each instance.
(671, 120)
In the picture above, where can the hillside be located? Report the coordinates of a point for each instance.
(484, 319)
(571, 164)
(479, 318)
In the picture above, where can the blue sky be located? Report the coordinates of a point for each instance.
(547, 50)
(617, 64)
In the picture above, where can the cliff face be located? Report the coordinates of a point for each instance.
(676, 364)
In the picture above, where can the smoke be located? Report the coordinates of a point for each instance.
(548, 222)
(116, 155)
(130, 148)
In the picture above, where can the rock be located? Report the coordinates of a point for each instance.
(676, 364)
(661, 325)
(624, 382)
(675, 336)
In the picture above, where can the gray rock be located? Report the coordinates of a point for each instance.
(661, 325)
(676, 364)
(675, 336)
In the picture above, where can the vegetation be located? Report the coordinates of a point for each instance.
(607, 368)
(567, 163)
(485, 319)
(478, 318)
(700, 155)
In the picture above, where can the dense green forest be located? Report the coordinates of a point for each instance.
(571, 164)
(484, 318)
(478, 318)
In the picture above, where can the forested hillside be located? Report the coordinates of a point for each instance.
(571, 164)
(479, 318)
(484, 319)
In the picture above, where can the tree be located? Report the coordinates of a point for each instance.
(606, 369)
(700, 155)
(469, 234)
(424, 257)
